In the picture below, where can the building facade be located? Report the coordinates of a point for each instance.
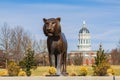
(84, 51)
(84, 38)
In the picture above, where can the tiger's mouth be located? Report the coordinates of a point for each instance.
(50, 34)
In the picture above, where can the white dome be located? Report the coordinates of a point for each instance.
(84, 39)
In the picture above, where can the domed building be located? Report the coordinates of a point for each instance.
(84, 39)
(84, 55)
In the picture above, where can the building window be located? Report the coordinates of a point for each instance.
(86, 41)
(87, 62)
(81, 41)
(92, 61)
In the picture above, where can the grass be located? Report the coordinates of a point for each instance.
(40, 71)
(77, 69)
(43, 70)
(116, 68)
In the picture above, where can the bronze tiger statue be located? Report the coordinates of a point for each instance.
(56, 44)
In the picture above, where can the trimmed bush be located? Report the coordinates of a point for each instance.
(110, 72)
(83, 71)
(13, 68)
(4, 73)
(22, 73)
(52, 70)
(73, 73)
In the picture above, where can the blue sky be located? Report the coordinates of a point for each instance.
(102, 18)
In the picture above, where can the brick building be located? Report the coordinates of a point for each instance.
(84, 51)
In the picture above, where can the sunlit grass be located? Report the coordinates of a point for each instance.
(44, 70)
(77, 69)
(116, 68)
(40, 71)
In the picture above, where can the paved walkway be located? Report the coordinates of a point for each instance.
(62, 78)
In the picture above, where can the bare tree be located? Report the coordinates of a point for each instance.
(15, 41)
(5, 40)
(78, 59)
(118, 46)
(26, 39)
(40, 46)
(19, 40)
(115, 55)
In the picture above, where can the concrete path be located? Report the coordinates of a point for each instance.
(62, 78)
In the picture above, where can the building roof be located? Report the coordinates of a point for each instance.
(84, 29)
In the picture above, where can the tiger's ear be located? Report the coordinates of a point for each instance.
(59, 19)
(44, 20)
